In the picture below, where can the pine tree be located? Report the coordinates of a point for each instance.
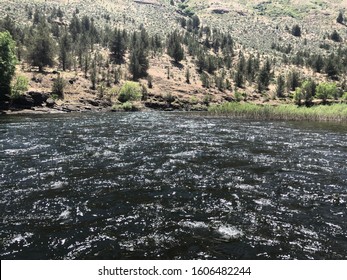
(318, 63)
(187, 76)
(340, 19)
(293, 80)
(118, 46)
(42, 50)
(335, 36)
(280, 86)
(308, 91)
(65, 51)
(264, 76)
(296, 31)
(138, 61)
(93, 73)
(174, 48)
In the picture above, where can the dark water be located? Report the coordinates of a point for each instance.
(171, 186)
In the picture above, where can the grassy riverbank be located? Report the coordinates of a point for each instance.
(336, 112)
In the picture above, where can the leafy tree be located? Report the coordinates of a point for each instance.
(8, 62)
(298, 96)
(325, 91)
(130, 91)
(19, 87)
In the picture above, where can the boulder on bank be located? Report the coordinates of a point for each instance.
(38, 97)
(23, 102)
(50, 102)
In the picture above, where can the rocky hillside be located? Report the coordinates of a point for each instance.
(263, 35)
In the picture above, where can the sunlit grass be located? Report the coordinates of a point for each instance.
(336, 112)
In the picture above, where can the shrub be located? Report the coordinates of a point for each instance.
(325, 91)
(169, 98)
(344, 96)
(238, 96)
(130, 91)
(19, 87)
(298, 96)
(58, 87)
(296, 31)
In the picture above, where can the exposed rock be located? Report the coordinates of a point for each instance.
(228, 98)
(92, 102)
(147, 2)
(220, 10)
(157, 105)
(23, 102)
(50, 102)
(38, 97)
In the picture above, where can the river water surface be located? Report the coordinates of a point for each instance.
(171, 186)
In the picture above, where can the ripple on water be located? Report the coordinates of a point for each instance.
(167, 185)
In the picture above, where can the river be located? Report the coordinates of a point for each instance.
(162, 185)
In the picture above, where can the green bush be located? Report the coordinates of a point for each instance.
(238, 96)
(130, 91)
(344, 96)
(58, 87)
(298, 96)
(326, 90)
(19, 87)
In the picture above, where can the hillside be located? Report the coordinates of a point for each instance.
(261, 33)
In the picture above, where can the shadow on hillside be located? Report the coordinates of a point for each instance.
(177, 64)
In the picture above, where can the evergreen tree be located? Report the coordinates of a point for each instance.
(118, 46)
(42, 50)
(187, 76)
(335, 36)
(241, 67)
(93, 73)
(280, 86)
(308, 91)
(65, 48)
(318, 63)
(174, 48)
(340, 18)
(264, 76)
(196, 22)
(296, 30)
(331, 66)
(138, 61)
(293, 80)
(75, 27)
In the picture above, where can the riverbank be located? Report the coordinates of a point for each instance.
(335, 112)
